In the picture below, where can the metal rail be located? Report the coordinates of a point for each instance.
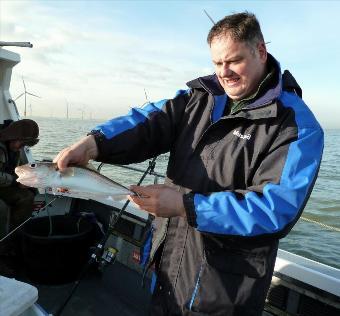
(156, 174)
(17, 44)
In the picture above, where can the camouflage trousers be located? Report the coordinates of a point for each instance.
(16, 205)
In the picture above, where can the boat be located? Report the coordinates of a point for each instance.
(115, 283)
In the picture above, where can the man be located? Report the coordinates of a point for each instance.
(16, 200)
(244, 155)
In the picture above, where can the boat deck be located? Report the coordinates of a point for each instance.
(117, 291)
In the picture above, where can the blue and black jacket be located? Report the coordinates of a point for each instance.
(246, 178)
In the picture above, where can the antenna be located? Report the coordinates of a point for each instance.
(210, 18)
(25, 94)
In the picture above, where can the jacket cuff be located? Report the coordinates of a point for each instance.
(99, 138)
(189, 205)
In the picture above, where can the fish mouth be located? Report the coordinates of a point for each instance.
(19, 171)
(29, 181)
(24, 177)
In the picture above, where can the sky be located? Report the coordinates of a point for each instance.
(104, 57)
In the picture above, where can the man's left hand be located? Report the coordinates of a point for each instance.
(159, 200)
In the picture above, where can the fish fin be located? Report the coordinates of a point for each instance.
(91, 167)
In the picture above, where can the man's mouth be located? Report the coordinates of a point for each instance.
(232, 81)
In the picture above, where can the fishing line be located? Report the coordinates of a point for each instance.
(97, 252)
(329, 227)
(28, 219)
(49, 216)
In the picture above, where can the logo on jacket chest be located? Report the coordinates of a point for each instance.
(242, 136)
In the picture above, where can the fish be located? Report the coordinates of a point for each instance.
(74, 181)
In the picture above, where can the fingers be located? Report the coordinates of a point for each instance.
(63, 159)
(140, 191)
(79, 153)
(142, 201)
(159, 200)
(147, 190)
(56, 158)
(144, 198)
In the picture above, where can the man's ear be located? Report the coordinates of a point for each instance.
(262, 51)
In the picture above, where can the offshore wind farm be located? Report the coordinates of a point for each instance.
(92, 61)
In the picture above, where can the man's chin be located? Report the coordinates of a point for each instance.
(234, 96)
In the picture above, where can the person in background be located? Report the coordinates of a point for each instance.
(245, 151)
(16, 201)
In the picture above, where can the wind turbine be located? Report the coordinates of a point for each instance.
(67, 106)
(25, 94)
(146, 96)
(82, 110)
(147, 99)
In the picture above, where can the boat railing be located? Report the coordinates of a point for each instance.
(151, 172)
(16, 44)
(159, 175)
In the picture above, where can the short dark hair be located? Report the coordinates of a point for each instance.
(242, 27)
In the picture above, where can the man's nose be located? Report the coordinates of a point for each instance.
(225, 71)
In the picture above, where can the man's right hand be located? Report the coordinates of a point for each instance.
(79, 153)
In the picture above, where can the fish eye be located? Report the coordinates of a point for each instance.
(33, 165)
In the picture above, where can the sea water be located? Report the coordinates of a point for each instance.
(307, 239)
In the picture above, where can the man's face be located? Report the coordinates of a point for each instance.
(239, 67)
(15, 145)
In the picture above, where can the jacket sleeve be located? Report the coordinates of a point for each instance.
(266, 207)
(6, 179)
(143, 133)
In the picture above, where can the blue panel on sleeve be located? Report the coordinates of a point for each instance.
(279, 204)
(136, 116)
